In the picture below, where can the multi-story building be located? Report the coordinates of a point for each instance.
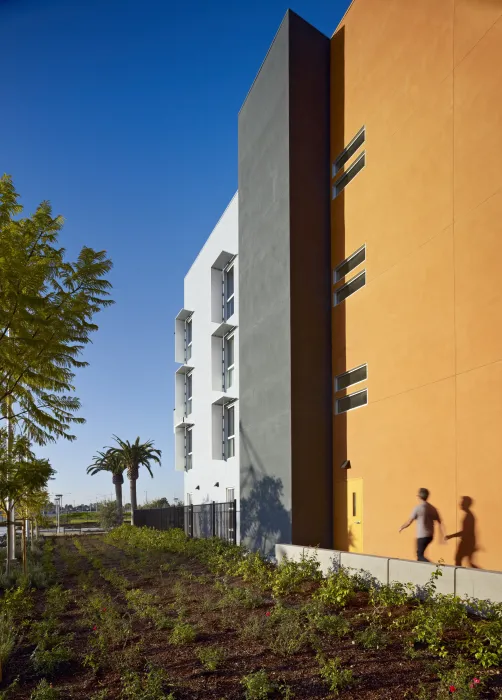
(369, 242)
(206, 410)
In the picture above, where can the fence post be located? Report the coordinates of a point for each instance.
(190, 519)
(235, 522)
(213, 519)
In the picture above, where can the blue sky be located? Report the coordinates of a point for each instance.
(124, 116)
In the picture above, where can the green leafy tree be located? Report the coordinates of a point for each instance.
(47, 306)
(135, 455)
(156, 503)
(21, 472)
(111, 461)
(23, 476)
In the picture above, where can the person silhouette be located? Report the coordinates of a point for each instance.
(467, 535)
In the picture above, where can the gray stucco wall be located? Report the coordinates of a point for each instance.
(284, 275)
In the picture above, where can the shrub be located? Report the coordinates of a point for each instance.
(182, 633)
(336, 590)
(49, 659)
(7, 637)
(463, 677)
(45, 691)
(257, 685)
(393, 595)
(372, 636)
(211, 657)
(56, 600)
(485, 643)
(433, 618)
(334, 625)
(151, 685)
(290, 576)
(287, 632)
(335, 675)
(108, 515)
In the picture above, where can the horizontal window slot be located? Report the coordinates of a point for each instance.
(352, 401)
(348, 151)
(349, 264)
(353, 376)
(349, 175)
(349, 288)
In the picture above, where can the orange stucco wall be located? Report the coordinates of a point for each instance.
(425, 78)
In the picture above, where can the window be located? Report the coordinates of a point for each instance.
(359, 374)
(230, 495)
(188, 339)
(230, 432)
(349, 175)
(229, 293)
(350, 288)
(348, 151)
(349, 264)
(354, 504)
(188, 397)
(229, 361)
(188, 449)
(189, 499)
(351, 401)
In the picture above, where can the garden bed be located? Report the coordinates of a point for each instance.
(146, 615)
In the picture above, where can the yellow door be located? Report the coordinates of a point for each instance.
(355, 515)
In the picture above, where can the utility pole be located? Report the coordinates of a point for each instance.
(59, 496)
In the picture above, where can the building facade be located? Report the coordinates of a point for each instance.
(369, 236)
(206, 410)
(418, 86)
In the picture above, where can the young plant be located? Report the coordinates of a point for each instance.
(211, 657)
(257, 685)
(336, 590)
(50, 657)
(287, 630)
(182, 633)
(485, 643)
(45, 691)
(333, 673)
(152, 685)
(463, 680)
(290, 576)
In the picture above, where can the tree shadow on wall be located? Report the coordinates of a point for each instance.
(264, 521)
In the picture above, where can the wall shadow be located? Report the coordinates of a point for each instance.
(264, 521)
(467, 539)
(342, 538)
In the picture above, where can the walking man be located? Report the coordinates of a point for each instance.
(425, 514)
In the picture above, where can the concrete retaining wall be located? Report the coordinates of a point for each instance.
(473, 583)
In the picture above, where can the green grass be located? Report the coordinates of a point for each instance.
(75, 518)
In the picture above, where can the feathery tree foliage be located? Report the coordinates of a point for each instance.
(112, 462)
(47, 306)
(135, 455)
(22, 474)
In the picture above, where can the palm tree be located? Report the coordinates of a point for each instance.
(134, 456)
(111, 461)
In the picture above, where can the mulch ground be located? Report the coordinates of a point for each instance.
(382, 673)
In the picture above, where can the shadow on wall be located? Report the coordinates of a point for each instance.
(264, 520)
(467, 542)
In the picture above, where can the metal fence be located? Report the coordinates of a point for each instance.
(203, 520)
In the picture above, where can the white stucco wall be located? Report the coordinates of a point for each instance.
(201, 289)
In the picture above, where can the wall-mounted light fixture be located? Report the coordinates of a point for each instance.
(197, 488)
(217, 483)
(345, 465)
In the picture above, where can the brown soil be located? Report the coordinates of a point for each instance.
(384, 673)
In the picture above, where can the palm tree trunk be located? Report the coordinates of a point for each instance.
(132, 483)
(118, 498)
